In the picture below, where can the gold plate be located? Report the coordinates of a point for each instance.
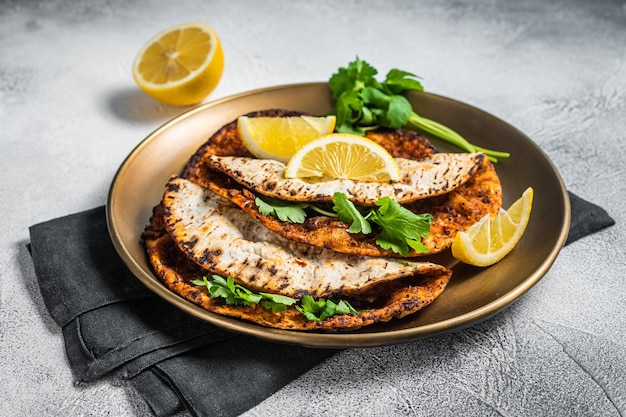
(473, 295)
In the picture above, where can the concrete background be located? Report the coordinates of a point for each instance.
(70, 112)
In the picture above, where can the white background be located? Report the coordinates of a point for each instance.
(70, 112)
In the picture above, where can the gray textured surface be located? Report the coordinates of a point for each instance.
(70, 113)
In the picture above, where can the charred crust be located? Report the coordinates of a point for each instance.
(172, 187)
(188, 245)
(269, 185)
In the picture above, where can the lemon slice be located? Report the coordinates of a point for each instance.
(280, 137)
(491, 239)
(180, 66)
(342, 155)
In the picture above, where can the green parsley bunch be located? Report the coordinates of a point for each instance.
(363, 103)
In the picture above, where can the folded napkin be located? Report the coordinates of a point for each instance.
(113, 325)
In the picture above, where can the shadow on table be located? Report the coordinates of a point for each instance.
(133, 105)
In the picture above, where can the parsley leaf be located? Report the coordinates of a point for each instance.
(235, 294)
(363, 103)
(321, 309)
(401, 228)
(398, 112)
(283, 210)
(312, 310)
(347, 212)
(277, 302)
(344, 307)
(398, 81)
(347, 85)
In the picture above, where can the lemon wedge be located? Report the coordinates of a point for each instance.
(346, 156)
(492, 238)
(280, 137)
(181, 65)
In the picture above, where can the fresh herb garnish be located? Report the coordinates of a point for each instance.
(401, 228)
(347, 212)
(363, 103)
(235, 294)
(283, 210)
(317, 310)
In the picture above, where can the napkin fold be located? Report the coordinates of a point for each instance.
(112, 324)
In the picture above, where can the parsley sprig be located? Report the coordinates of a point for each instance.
(347, 212)
(363, 103)
(284, 210)
(317, 310)
(235, 294)
(400, 228)
(287, 211)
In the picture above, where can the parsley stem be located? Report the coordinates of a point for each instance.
(497, 154)
(321, 211)
(449, 135)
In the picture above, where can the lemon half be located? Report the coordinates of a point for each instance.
(181, 65)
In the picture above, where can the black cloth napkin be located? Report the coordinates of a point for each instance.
(112, 324)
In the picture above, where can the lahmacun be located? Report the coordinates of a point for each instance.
(208, 223)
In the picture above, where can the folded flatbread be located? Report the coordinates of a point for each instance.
(419, 179)
(208, 223)
(377, 302)
(218, 236)
(453, 211)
